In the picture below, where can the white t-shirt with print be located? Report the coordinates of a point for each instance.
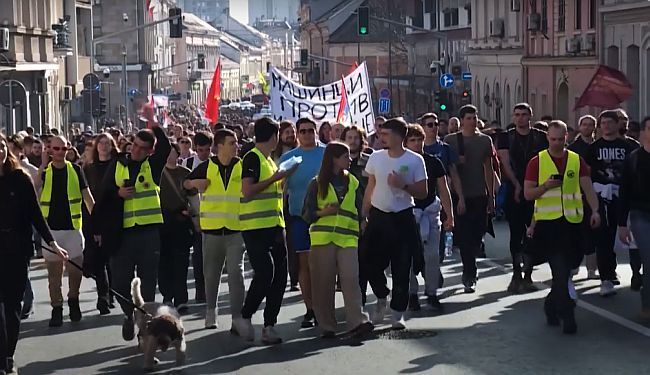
(410, 166)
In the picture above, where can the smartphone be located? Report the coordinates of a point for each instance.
(558, 177)
(127, 183)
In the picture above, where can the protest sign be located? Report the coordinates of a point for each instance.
(291, 101)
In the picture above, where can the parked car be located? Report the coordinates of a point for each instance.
(247, 105)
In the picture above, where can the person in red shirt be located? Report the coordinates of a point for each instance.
(558, 238)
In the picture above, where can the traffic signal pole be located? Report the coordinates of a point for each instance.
(127, 30)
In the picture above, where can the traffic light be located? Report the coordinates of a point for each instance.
(90, 102)
(466, 98)
(102, 106)
(304, 57)
(201, 61)
(176, 24)
(363, 20)
(441, 99)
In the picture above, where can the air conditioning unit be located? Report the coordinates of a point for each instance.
(497, 28)
(515, 5)
(4, 39)
(573, 45)
(66, 93)
(534, 22)
(588, 43)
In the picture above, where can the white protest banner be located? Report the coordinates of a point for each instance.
(290, 100)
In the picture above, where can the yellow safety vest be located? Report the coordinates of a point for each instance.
(565, 200)
(264, 210)
(74, 194)
(341, 229)
(219, 206)
(144, 207)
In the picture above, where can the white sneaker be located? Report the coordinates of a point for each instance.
(607, 288)
(380, 311)
(572, 290)
(210, 319)
(398, 320)
(270, 337)
(244, 328)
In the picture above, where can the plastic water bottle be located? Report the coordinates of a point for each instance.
(449, 243)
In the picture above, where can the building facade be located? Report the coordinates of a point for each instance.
(560, 56)
(626, 46)
(495, 57)
(199, 37)
(281, 10)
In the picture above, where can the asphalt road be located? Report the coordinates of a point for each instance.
(489, 332)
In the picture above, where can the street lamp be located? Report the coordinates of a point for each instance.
(125, 87)
(107, 73)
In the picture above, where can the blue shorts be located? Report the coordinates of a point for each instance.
(299, 233)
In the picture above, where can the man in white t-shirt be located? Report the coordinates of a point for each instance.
(396, 177)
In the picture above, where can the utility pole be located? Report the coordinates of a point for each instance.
(125, 87)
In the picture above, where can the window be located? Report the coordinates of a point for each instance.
(533, 6)
(428, 6)
(578, 14)
(544, 17)
(468, 8)
(451, 17)
(592, 14)
(433, 20)
(561, 16)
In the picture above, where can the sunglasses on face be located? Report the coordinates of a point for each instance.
(307, 131)
(57, 148)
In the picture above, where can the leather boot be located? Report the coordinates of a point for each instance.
(57, 317)
(75, 311)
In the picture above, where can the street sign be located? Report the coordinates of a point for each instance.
(446, 81)
(196, 86)
(384, 105)
(384, 93)
(467, 76)
(91, 81)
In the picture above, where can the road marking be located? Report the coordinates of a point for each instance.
(636, 327)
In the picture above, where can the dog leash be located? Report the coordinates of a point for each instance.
(92, 276)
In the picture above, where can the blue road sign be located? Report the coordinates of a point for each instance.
(384, 105)
(384, 93)
(446, 80)
(467, 76)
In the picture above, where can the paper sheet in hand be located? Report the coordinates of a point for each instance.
(290, 163)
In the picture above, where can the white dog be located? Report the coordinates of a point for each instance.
(160, 329)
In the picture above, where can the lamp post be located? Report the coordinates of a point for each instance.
(125, 87)
(107, 73)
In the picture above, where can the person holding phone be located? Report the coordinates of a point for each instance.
(555, 179)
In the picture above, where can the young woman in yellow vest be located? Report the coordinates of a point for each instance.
(63, 189)
(332, 206)
(555, 179)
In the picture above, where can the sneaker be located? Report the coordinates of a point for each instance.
(102, 306)
(270, 337)
(434, 303)
(592, 275)
(244, 328)
(294, 288)
(308, 319)
(128, 328)
(75, 311)
(637, 282)
(57, 317)
(26, 311)
(470, 286)
(362, 330)
(527, 285)
(515, 283)
(607, 288)
(210, 319)
(398, 320)
(380, 311)
(414, 302)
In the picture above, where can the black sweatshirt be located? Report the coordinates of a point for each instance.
(20, 211)
(635, 187)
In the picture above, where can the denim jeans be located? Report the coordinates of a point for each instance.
(430, 244)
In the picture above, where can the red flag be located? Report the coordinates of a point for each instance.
(607, 89)
(343, 116)
(149, 8)
(214, 96)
